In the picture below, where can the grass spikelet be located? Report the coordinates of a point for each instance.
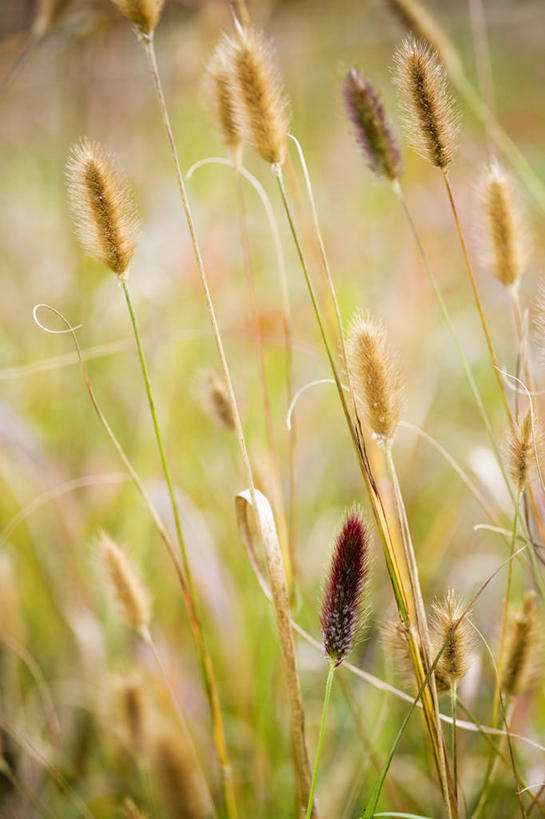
(130, 811)
(143, 14)
(371, 128)
(132, 596)
(102, 207)
(376, 375)
(522, 453)
(521, 645)
(505, 256)
(453, 663)
(222, 93)
(261, 98)
(218, 400)
(430, 115)
(342, 607)
(179, 781)
(132, 713)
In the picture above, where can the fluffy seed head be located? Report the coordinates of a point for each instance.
(132, 713)
(453, 663)
(522, 453)
(376, 376)
(143, 14)
(520, 649)
(218, 400)
(102, 207)
(260, 97)
(342, 604)
(430, 115)
(179, 779)
(371, 128)
(132, 596)
(505, 250)
(222, 92)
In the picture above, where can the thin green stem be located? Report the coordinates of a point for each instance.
(328, 687)
(453, 700)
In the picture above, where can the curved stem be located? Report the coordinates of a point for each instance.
(328, 687)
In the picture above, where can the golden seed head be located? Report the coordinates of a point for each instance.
(179, 778)
(430, 116)
(132, 713)
(102, 207)
(376, 376)
(132, 596)
(520, 649)
(143, 14)
(522, 453)
(505, 247)
(219, 401)
(260, 96)
(453, 663)
(222, 92)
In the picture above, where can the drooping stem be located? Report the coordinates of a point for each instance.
(327, 695)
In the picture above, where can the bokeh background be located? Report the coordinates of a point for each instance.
(60, 479)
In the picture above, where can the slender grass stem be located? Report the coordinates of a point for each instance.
(328, 687)
(453, 699)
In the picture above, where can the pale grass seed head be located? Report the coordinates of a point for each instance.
(430, 114)
(132, 712)
(260, 99)
(102, 207)
(523, 631)
(180, 780)
(376, 376)
(133, 598)
(505, 247)
(453, 663)
(222, 91)
(522, 460)
(143, 14)
(218, 400)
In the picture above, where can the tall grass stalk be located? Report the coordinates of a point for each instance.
(328, 687)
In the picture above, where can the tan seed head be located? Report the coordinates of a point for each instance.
(522, 453)
(143, 14)
(132, 596)
(521, 645)
(505, 245)
(222, 92)
(453, 663)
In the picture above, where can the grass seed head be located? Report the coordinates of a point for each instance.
(453, 663)
(342, 607)
(179, 779)
(430, 114)
(132, 596)
(222, 92)
(521, 648)
(143, 14)
(132, 713)
(102, 207)
(260, 96)
(371, 128)
(377, 380)
(505, 246)
(219, 401)
(522, 453)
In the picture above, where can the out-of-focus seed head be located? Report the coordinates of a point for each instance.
(131, 811)
(521, 648)
(132, 596)
(132, 713)
(342, 604)
(218, 400)
(453, 663)
(430, 114)
(505, 246)
(260, 98)
(143, 14)
(182, 787)
(102, 207)
(371, 128)
(222, 92)
(376, 376)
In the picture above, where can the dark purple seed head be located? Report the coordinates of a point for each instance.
(342, 604)
(372, 130)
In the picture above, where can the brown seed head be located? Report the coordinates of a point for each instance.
(505, 251)
(520, 649)
(522, 453)
(430, 115)
(102, 207)
(260, 97)
(376, 376)
(179, 779)
(143, 14)
(132, 713)
(371, 128)
(218, 400)
(222, 92)
(132, 596)
(453, 663)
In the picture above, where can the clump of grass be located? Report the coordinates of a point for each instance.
(431, 118)
(505, 254)
(376, 375)
(372, 130)
(102, 206)
(523, 631)
(133, 597)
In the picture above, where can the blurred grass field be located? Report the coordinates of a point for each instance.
(65, 643)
